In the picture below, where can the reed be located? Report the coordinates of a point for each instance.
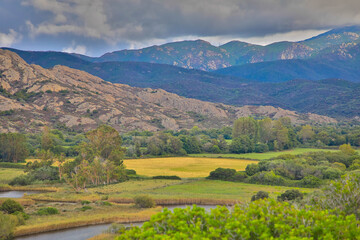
(86, 220)
(104, 236)
(180, 201)
(22, 201)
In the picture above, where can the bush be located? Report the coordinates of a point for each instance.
(130, 172)
(45, 173)
(261, 148)
(47, 211)
(106, 197)
(332, 173)
(21, 180)
(251, 169)
(222, 174)
(85, 202)
(290, 195)
(144, 201)
(261, 219)
(310, 182)
(10, 206)
(174, 177)
(84, 208)
(267, 178)
(238, 177)
(260, 195)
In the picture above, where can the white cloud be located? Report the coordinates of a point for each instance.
(7, 40)
(80, 49)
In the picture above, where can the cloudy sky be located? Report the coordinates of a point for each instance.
(93, 27)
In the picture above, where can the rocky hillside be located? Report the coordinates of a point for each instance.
(63, 97)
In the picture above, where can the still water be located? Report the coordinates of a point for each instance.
(16, 194)
(82, 233)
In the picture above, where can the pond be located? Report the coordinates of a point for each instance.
(16, 194)
(82, 233)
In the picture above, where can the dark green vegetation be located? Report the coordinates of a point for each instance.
(11, 215)
(305, 170)
(259, 220)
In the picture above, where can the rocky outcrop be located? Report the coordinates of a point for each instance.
(32, 97)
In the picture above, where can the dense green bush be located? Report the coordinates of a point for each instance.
(174, 177)
(310, 181)
(10, 206)
(238, 177)
(222, 174)
(85, 202)
(21, 180)
(260, 195)
(290, 195)
(144, 201)
(48, 211)
(267, 178)
(130, 172)
(45, 173)
(261, 219)
(332, 173)
(84, 208)
(251, 169)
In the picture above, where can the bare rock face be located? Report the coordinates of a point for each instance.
(31, 97)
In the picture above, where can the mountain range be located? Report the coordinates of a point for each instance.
(307, 76)
(31, 97)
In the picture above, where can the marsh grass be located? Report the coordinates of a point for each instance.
(8, 174)
(71, 216)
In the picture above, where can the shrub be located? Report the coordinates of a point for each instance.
(251, 169)
(290, 195)
(222, 174)
(174, 177)
(48, 211)
(106, 197)
(267, 178)
(85, 202)
(263, 219)
(310, 181)
(260, 195)
(84, 208)
(10, 206)
(130, 172)
(144, 201)
(238, 177)
(261, 148)
(21, 180)
(332, 173)
(45, 173)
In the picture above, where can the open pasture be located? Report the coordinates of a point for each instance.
(184, 167)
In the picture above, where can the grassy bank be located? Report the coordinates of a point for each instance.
(261, 156)
(8, 174)
(185, 167)
(71, 216)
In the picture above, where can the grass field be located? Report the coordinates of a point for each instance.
(7, 174)
(185, 167)
(261, 156)
(168, 189)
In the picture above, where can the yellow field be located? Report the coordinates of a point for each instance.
(186, 167)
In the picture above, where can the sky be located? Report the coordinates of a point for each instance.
(93, 27)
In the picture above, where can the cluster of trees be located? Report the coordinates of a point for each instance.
(306, 170)
(99, 162)
(11, 215)
(247, 135)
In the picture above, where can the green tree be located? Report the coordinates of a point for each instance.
(13, 147)
(246, 126)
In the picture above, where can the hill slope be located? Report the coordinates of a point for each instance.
(31, 97)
